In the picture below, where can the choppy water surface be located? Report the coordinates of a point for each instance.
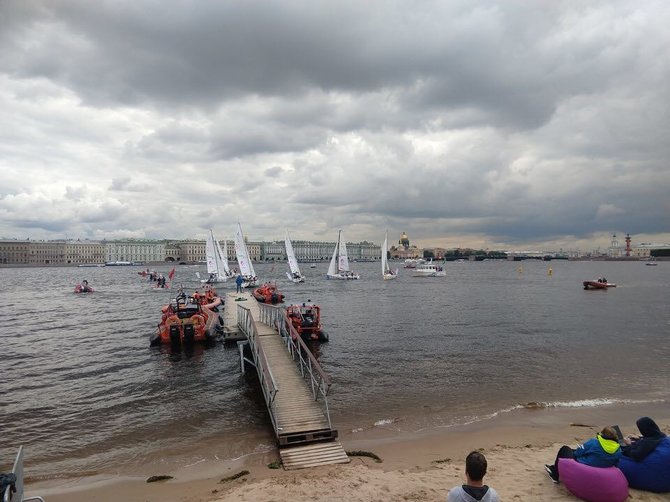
(82, 390)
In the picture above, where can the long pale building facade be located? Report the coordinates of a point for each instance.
(68, 252)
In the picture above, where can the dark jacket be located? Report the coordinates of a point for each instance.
(651, 438)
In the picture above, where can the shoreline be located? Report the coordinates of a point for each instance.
(421, 465)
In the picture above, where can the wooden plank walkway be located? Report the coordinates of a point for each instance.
(296, 410)
(231, 331)
(313, 455)
(305, 436)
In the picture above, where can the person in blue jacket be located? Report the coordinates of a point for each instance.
(646, 459)
(238, 281)
(600, 451)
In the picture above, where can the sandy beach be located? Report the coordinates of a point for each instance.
(412, 468)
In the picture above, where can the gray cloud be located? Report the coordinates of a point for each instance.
(513, 123)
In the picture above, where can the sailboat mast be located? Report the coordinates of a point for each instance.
(339, 245)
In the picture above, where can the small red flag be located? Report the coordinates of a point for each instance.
(171, 274)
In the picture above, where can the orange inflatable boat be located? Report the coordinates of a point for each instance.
(185, 320)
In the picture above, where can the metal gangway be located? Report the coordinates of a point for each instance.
(15, 493)
(294, 385)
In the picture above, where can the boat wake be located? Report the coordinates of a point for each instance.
(392, 423)
(379, 423)
(584, 403)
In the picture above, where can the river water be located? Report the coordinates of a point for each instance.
(84, 393)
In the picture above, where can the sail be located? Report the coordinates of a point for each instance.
(343, 259)
(290, 255)
(224, 258)
(385, 265)
(332, 268)
(243, 260)
(220, 261)
(210, 254)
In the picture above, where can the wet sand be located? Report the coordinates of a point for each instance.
(416, 466)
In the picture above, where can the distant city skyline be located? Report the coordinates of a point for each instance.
(463, 124)
(614, 244)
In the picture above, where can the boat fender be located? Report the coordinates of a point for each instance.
(323, 336)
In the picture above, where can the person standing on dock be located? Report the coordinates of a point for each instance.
(239, 282)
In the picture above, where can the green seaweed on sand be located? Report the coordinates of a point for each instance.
(153, 479)
(234, 476)
(361, 453)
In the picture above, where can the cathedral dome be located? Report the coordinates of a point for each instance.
(404, 240)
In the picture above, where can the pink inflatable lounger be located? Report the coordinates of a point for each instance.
(593, 484)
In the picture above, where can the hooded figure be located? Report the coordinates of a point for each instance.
(646, 462)
(651, 438)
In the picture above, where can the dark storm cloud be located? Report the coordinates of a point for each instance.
(518, 121)
(457, 55)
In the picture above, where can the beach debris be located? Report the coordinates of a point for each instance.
(274, 465)
(234, 476)
(577, 424)
(361, 453)
(442, 461)
(534, 405)
(162, 477)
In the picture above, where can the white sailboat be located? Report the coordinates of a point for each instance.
(387, 273)
(244, 261)
(216, 266)
(339, 263)
(224, 258)
(294, 275)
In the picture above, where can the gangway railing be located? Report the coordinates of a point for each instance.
(14, 493)
(310, 368)
(246, 321)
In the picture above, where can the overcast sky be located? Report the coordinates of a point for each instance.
(463, 123)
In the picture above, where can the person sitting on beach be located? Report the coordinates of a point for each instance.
(637, 448)
(646, 459)
(600, 451)
(474, 490)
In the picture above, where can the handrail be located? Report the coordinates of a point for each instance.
(17, 470)
(246, 321)
(320, 383)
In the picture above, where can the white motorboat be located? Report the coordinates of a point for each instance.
(412, 263)
(429, 269)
